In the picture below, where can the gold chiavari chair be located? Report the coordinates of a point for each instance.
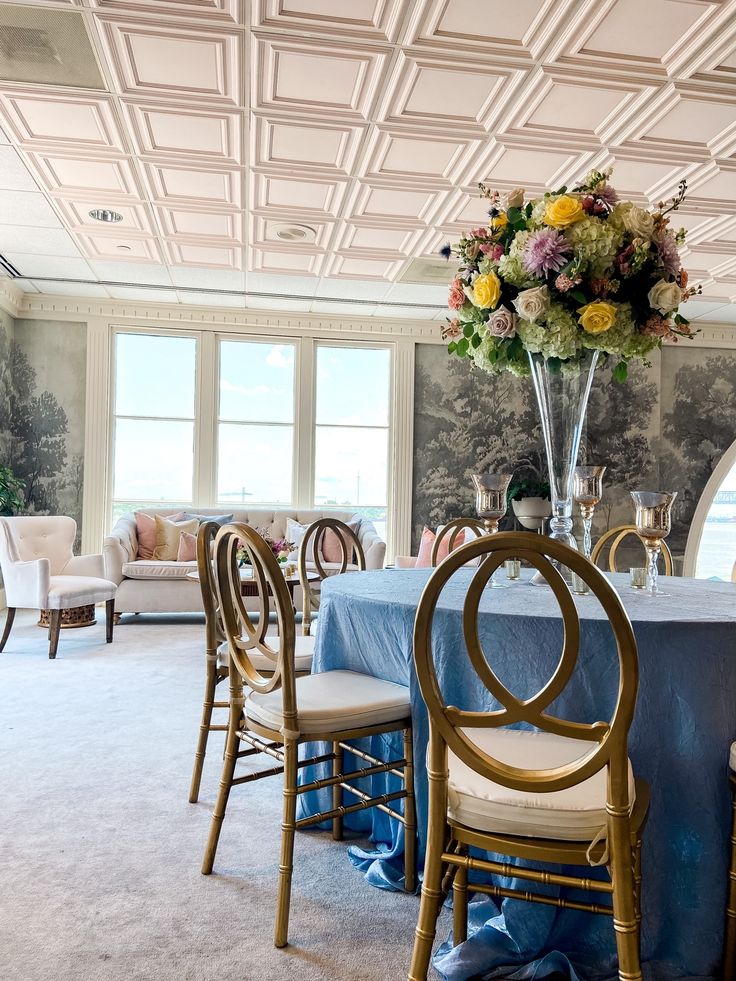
(312, 572)
(615, 536)
(280, 711)
(452, 530)
(485, 781)
(216, 652)
(728, 972)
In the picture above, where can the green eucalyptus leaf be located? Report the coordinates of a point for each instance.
(462, 346)
(621, 372)
(475, 340)
(468, 330)
(578, 295)
(451, 347)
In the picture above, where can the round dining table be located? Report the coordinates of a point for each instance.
(684, 723)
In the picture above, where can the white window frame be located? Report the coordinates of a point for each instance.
(329, 342)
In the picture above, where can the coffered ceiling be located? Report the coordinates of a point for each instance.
(309, 151)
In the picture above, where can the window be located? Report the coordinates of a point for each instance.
(352, 420)
(205, 419)
(717, 549)
(153, 425)
(255, 423)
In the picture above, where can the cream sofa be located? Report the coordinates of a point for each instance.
(148, 586)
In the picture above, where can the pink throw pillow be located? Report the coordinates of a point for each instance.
(145, 526)
(331, 547)
(424, 558)
(187, 548)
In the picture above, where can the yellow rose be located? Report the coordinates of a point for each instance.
(563, 212)
(499, 222)
(597, 317)
(486, 291)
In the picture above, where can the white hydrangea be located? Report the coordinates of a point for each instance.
(622, 338)
(559, 337)
(596, 243)
(510, 267)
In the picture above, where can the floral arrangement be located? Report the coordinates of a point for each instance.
(281, 548)
(573, 272)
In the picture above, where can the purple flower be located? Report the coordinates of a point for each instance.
(546, 251)
(607, 194)
(669, 255)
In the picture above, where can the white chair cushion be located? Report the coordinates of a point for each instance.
(334, 701)
(302, 659)
(575, 814)
(153, 569)
(732, 757)
(66, 592)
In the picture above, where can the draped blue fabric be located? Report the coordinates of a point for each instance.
(685, 721)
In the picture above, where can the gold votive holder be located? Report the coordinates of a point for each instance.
(513, 568)
(638, 577)
(289, 569)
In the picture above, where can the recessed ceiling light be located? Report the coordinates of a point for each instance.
(295, 233)
(104, 214)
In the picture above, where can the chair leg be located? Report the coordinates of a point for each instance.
(9, 617)
(338, 764)
(109, 619)
(430, 904)
(204, 727)
(729, 946)
(223, 793)
(410, 816)
(288, 830)
(625, 922)
(54, 628)
(460, 907)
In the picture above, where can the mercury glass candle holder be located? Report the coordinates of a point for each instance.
(587, 492)
(653, 524)
(491, 491)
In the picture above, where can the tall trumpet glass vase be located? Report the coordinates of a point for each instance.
(562, 397)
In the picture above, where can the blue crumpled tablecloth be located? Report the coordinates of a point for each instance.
(685, 721)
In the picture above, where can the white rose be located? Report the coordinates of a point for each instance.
(515, 199)
(638, 221)
(664, 296)
(532, 304)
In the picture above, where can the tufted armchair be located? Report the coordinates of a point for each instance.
(40, 572)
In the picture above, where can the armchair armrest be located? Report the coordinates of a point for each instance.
(405, 561)
(85, 565)
(374, 546)
(27, 583)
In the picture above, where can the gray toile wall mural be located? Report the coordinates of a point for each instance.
(42, 406)
(666, 427)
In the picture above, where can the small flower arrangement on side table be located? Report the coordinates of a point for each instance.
(281, 548)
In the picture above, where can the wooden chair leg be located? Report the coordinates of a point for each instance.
(210, 685)
(337, 767)
(54, 628)
(460, 907)
(625, 922)
(9, 617)
(223, 793)
(109, 619)
(288, 830)
(410, 816)
(729, 946)
(429, 906)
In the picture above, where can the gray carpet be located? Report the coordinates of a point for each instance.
(100, 851)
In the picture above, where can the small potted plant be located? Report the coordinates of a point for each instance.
(530, 500)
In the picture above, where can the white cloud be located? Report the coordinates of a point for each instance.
(280, 356)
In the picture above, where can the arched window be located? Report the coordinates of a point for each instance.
(711, 543)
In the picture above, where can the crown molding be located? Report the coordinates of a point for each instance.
(42, 306)
(11, 297)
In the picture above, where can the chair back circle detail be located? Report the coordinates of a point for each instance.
(616, 536)
(453, 529)
(610, 737)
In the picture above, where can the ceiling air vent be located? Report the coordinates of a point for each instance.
(436, 271)
(47, 47)
(7, 266)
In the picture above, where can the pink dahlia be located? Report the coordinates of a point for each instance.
(545, 251)
(668, 253)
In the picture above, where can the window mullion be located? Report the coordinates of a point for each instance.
(205, 423)
(304, 428)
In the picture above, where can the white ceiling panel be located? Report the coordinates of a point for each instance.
(316, 148)
(34, 266)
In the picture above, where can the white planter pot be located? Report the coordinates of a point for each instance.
(532, 512)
